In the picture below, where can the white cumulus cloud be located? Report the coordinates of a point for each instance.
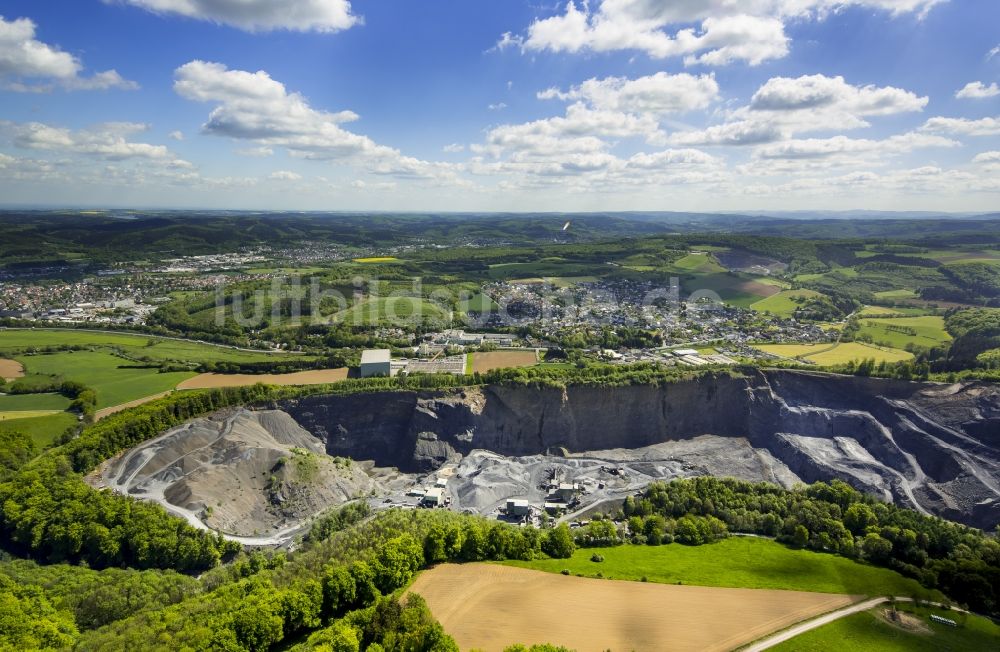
(284, 175)
(259, 15)
(110, 140)
(963, 126)
(30, 65)
(784, 106)
(658, 94)
(251, 106)
(752, 31)
(977, 90)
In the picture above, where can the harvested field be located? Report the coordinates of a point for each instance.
(312, 377)
(488, 607)
(106, 412)
(10, 369)
(483, 362)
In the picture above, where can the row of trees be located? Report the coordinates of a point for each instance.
(961, 561)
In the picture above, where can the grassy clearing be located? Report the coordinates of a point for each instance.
(835, 354)
(570, 281)
(897, 294)
(795, 350)
(783, 304)
(25, 339)
(392, 310)
(776, 282)
(21, 402)
(928, 331)
(479, 302)
(869, 631)
(879, 311)
(26, 414)
(701, 262)
(288, 271)
(738, 562)
(102, 371)
(42, 430)
(545, 268)
(856, 351)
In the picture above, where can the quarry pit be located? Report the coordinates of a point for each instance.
(261, 473)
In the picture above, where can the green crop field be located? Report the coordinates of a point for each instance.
(928, 331)
(15, 340)
(102, 372)
(737, 562)
(21, 402)
(42, 430)
(783, 304)
(868, 631)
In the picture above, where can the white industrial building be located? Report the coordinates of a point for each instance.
(434, 497)
(376, 362)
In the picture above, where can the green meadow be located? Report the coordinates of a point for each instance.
(738, 562)
(110, 376)
(869, 631)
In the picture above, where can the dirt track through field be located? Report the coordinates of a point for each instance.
(312, 377)
(483, 362)
(10, 369)
(488, 607)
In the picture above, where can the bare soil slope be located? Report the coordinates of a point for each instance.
(10, 369)
(312, 377)
(488, 607)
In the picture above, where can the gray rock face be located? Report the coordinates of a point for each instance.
(935, 448)
(238, 471)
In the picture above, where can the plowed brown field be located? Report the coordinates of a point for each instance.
(312, 377)
(488, 607)
(483, 362)
(10, 369)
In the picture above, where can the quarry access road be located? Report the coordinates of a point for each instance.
(802, 628)
(825, 619)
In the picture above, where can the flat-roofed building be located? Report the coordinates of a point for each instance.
(376, 362)
(433, 498)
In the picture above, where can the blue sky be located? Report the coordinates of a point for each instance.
(459, 105)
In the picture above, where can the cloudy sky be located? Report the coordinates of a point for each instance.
(512, 105)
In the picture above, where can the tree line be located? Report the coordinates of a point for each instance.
(962, 562)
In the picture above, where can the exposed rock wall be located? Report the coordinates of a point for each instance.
(930, 447)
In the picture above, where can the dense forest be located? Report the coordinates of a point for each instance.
(962, 562)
